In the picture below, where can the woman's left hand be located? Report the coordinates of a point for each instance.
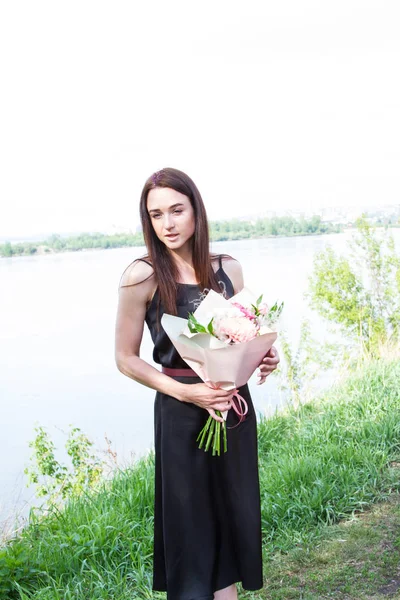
(268, 364)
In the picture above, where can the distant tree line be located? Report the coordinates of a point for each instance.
(83, 241)
(285, 226)
(234, 229)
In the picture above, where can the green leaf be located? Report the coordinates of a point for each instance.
(210, 327)
(194, 325)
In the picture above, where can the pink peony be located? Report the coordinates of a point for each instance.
(235, 329)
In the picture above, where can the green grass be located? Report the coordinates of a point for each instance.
(357, 559)
(331, 457)
(328, 461)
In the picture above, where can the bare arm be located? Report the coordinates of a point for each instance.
(128, 337)
(129, 332)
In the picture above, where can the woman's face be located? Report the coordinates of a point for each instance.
(172, 216)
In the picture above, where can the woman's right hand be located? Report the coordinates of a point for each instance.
(209, 398)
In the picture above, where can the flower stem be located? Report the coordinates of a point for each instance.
(219, 439)
(225, 440)
(203, 432)
(210, 434)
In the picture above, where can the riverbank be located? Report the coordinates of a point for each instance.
(319, 465)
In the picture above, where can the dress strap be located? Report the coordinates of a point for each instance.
(225, 280)
(145, 261)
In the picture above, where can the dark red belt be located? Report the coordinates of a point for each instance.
(179, 372)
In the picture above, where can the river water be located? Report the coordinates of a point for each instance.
(57, 318)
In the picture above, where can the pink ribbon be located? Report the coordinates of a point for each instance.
(240, 408)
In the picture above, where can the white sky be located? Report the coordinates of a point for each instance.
(264, 104)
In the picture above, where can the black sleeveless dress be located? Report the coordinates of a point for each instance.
(207, 520)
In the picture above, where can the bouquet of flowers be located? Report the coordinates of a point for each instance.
(224, 341)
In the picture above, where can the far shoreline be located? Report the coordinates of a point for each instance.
(48, 251)
(118, 241)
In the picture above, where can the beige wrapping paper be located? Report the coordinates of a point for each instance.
(227, 366)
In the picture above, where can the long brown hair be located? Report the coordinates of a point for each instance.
(165, 270)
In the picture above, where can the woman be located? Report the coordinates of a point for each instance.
(207, 521)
